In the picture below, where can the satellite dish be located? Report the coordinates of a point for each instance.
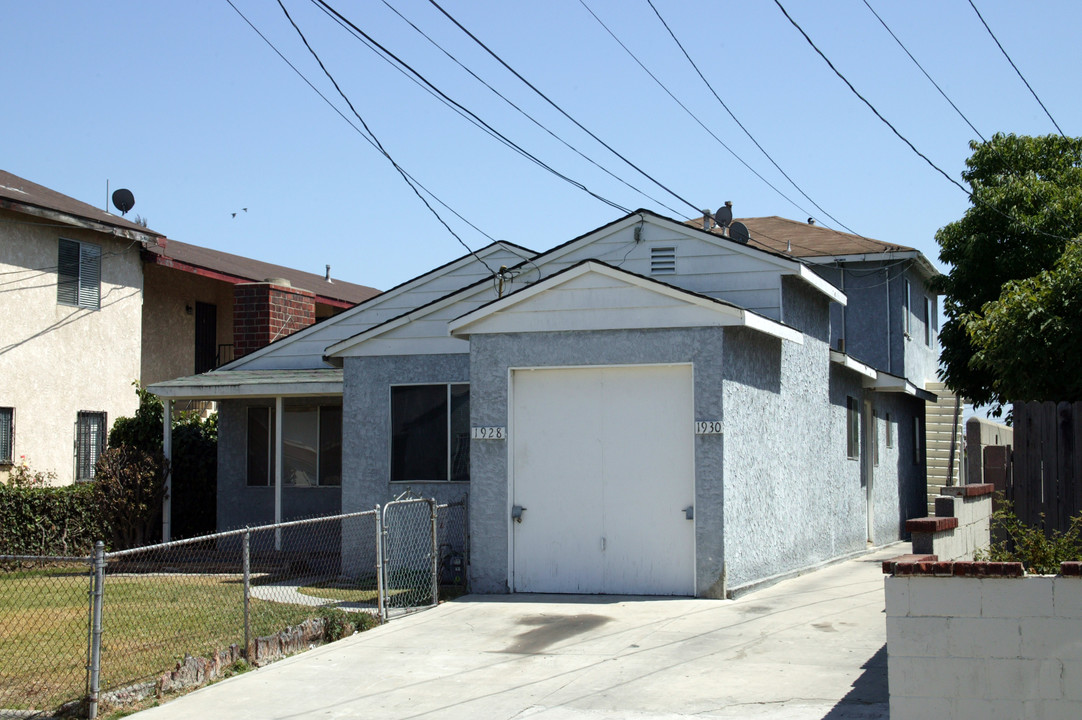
(724, 216)
(123, 200)
(739, 231)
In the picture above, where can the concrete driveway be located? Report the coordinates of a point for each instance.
(809, 647)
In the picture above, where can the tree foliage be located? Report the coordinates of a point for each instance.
(132, 485)
(1026, 212)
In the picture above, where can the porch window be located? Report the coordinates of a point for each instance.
(852, 422)
(311, 445)
(7, 435)
(90, 430)
(79, 274)
(430, 432)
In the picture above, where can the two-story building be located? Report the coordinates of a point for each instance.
(648, 408)
(92, 302)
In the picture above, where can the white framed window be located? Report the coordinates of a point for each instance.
(79, 274)
(929, 313)
(311, 446)
(907, 316)
(7, 435)
(852, 424)
(90, 431)
(430, 432)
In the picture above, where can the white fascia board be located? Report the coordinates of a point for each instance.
(923, 262)
(844, 360)
(226, 392)
(809, 276)
(460, 327)
(885, 382)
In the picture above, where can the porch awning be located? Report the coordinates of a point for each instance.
(224, 384)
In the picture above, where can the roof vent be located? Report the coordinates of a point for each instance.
(663, 260)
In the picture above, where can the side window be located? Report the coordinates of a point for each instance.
(907, 322)
(79, 274)
(90, 429)
(918, 442)
(7, 435)
(875, 437)
(929, 313)
(889, 428)
(852, 423)
(260, 465)
(430, 432)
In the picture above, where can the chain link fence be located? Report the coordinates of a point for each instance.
(80, 633)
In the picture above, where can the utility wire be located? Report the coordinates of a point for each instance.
(972, 196)
(524, 113)
(365, 37)
(349, 122)
(740, 124)
(563, 112)
(379, 145)
(1032, 91)
(687, 110)
(903, 47)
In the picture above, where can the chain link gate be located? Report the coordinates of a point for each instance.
(410, 562)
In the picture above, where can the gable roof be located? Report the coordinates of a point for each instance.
(718, 312)
(235, 268)
(20, 195)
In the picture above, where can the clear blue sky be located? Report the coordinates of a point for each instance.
(187, 106)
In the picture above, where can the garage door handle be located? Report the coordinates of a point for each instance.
(689, 512)
(516, 513)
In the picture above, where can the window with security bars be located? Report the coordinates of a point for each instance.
(79, 274)
(90, 432)
(7, 435)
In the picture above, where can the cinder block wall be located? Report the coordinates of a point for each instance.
(961, 525)
(980, 640)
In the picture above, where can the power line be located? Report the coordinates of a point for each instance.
(348, 121)
(903, 47)
(740, 124)
(561, 110)
(366, 38)
(1032, 91)
(524, 113)
(375, 139)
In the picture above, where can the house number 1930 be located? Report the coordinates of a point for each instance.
(709, 427)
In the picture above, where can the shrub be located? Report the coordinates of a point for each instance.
(38, 519)
(1014, 541)
(131, 484)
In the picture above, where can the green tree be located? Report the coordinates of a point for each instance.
(1027, 210)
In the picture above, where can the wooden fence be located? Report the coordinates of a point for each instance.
(1045, 482)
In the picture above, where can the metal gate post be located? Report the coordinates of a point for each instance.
(95, 629)
(435, 551)
(381, 588)
(247, 570)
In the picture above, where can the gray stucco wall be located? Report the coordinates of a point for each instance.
(492, 356)
(366, 426)
(240, 504)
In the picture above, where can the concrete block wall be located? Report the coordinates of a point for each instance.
(973, 640)
(961, 524)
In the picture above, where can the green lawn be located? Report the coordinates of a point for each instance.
(148, 624)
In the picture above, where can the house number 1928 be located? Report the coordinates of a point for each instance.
(489, 433)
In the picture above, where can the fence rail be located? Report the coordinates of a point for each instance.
(78, 633)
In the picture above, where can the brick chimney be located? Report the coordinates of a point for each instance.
(267, 311)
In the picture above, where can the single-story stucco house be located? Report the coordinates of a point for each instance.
(653, 407)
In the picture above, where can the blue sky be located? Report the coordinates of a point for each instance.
(188, 107)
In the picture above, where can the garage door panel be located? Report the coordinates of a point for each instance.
(605, 456)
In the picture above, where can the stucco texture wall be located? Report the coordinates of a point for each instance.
(168, 328)
(492, 357)
(241, 505)
(56, 360)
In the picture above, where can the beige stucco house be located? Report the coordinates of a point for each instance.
(91, 302)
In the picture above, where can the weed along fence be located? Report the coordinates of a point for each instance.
(79, 634)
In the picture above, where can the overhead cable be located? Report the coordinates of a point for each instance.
(563, 112)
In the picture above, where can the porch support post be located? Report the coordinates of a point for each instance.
(278, 412)
(167, 450)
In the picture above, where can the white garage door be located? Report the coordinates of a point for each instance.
(603, 463)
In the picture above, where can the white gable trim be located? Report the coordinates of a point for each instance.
(720, 313)
(377, 300)
(844, 360)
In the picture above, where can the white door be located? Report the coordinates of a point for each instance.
(603, 463)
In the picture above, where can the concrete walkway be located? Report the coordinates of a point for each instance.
(812, 647)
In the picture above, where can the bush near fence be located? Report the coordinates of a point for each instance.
(50, 520)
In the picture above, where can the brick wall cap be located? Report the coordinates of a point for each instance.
(965, 491)
(960, 568)
(889, 565)
(931, 524)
